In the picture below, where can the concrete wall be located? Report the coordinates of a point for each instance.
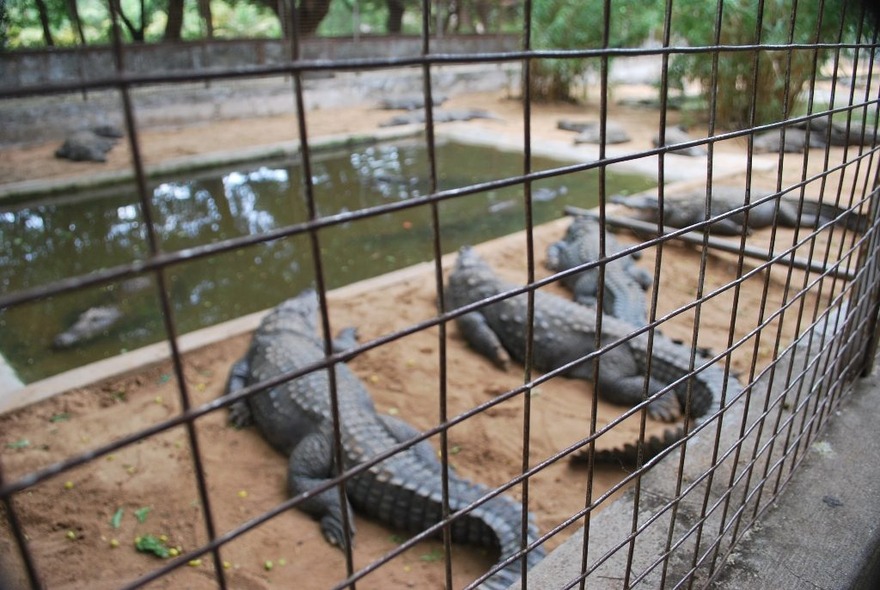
(31, 69)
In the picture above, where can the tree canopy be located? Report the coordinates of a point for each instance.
(754, 86)
(47, 23)
(578, 25)
(40, 23)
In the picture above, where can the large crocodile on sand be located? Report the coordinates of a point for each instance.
(565, 331)
(688, 209)
(625, 283)
(403, 490)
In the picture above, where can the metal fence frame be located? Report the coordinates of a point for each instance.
(812, 374)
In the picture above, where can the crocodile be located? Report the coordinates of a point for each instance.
(589, 131)
(822, 132)
(629, 454)
(90, 324)
(690, 208)
(85, 145)
(565, 331)
(439, 116)
(404, 490)
(409, 103)
(625, 283)
(676, 135)
(119, 306)
(841, 132)
(796, 141)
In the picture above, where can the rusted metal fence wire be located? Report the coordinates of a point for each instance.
(814, 292)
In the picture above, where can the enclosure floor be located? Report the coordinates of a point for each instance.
(245, 477)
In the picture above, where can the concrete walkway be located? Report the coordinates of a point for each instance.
(9, 380)
(823, 531)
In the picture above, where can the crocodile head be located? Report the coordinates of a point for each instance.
(470, 261)
(304, 304)
(644, 202)
(298, 313)
(581, 225)
(471, 278)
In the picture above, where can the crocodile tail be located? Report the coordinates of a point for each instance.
(852, 220)
(702, 389)
(627, 455)
(407, 505)
(709, 384)
(500, 518)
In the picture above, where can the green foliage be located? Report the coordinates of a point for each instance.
(24, 21)
(230, 18)
(370, 15)
(4, 24)
(342, 18)
(578, 24)
(152, 544)
(694, 22)
(574, 24)
(240, 18)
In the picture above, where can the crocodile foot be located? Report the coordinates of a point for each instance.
(346, 339)
(334, 532)
(666, 408)
(240, 414)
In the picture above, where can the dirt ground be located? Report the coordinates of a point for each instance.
(68, 519)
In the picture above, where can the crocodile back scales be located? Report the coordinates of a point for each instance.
(403, 490)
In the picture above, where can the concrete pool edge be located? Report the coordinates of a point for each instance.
(155, 353)
(19, 191)
(678, 168)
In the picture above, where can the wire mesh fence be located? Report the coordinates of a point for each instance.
(719, 319)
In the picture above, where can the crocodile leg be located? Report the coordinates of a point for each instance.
(726, 227)
(551, 262)
(621, 384)
(402, 432)
(641, 276)
(586, 288)
(621, 381)
(482, 338)
(789, 218)
(239, 412)
(311, 463)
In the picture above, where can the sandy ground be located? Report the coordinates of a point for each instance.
(35, 161)
(67, 519)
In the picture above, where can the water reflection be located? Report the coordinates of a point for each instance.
(43, 242)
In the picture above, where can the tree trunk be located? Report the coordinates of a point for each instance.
(73, 13)
(44, 22)
(137, 34)
(174, 26)
(483, 9)
(205, 12)
(310, 13)
(305, 14)
(395, 16)
(450, 16)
